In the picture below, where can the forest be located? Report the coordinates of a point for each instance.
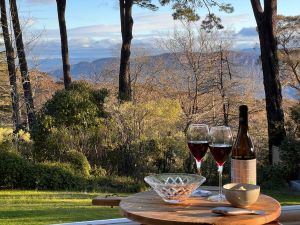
(106, 132)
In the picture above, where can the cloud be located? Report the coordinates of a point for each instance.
(88, 48)
(240, 20)
(247, 37)
(248, 31)
(106, 38)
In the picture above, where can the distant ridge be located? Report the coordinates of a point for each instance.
(246, 58)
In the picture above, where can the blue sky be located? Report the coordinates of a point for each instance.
(94, 24)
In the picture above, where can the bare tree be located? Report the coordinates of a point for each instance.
(61, 8)
(266, 26)
(10, 54)
(190, 77)
(288, 33)
(23, 64)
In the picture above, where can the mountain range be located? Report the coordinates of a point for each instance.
(87, 66)
(247, 59)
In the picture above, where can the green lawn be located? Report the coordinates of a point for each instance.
(37, 207)
(285, 197)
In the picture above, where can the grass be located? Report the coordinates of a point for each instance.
(37, 207)
(45, 207)
(284, 196)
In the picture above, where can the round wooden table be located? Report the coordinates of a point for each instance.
(148, 208)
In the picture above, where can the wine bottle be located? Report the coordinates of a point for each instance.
(243, 158)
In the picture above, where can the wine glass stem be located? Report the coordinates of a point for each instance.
(198, 164)
(220, 170)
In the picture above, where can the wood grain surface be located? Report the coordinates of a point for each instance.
(107, 201)
(148, 208)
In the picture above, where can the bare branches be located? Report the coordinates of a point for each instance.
(288, 36)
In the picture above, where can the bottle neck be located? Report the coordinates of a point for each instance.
(243, 122)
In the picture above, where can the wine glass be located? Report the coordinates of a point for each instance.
(197, 138)
(220, 145)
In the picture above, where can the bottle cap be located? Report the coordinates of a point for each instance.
(243, 108)
(243, 114)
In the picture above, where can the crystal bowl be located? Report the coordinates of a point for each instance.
(174, 188)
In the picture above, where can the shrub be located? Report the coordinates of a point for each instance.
(78, 162)
(12, 168)
(69, 113)
(5, 134)
(16, 172)
(151, 130)
(58, 176)
(98, 172)
(295, 114)
(271, 176)
(53, 145)
(115, 184)
(78, 106)
(290, 157)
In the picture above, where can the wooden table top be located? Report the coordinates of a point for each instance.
(148, 208)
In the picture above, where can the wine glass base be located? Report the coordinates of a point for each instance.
(217, 198)
(201, 193)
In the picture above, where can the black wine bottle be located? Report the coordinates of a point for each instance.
(243, 158)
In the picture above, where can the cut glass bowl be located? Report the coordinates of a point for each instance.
(174, 188)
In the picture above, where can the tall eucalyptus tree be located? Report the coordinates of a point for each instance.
(23, 64)
(266, 26)
(11, 68)
(126, 31)
(61, 8)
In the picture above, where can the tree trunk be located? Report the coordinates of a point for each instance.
(61, 8)
(266, 24)
(11, 68)
(126, 30)
(23, 64)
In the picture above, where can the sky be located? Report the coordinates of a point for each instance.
(94, 27)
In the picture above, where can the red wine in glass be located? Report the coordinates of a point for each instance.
(197, 140)
(220, 144)
(220, 152)
(198, 149)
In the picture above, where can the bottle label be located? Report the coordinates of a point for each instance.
(243, 171)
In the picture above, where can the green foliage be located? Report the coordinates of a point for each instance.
(78, 106)
(295, 114)
(276, 176)
(146, 4)
(151, 130)
(98, 172)
(6, 134)
(52, 144)
(78, 162)
(187, 9)
(290, 157)
(58, 176)
(116, 184)
(17, 172)
(12, 168)
(209, 169)
(69, 114)
(271, 176)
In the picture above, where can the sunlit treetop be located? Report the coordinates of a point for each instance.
(146, 4)
(187, 10)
